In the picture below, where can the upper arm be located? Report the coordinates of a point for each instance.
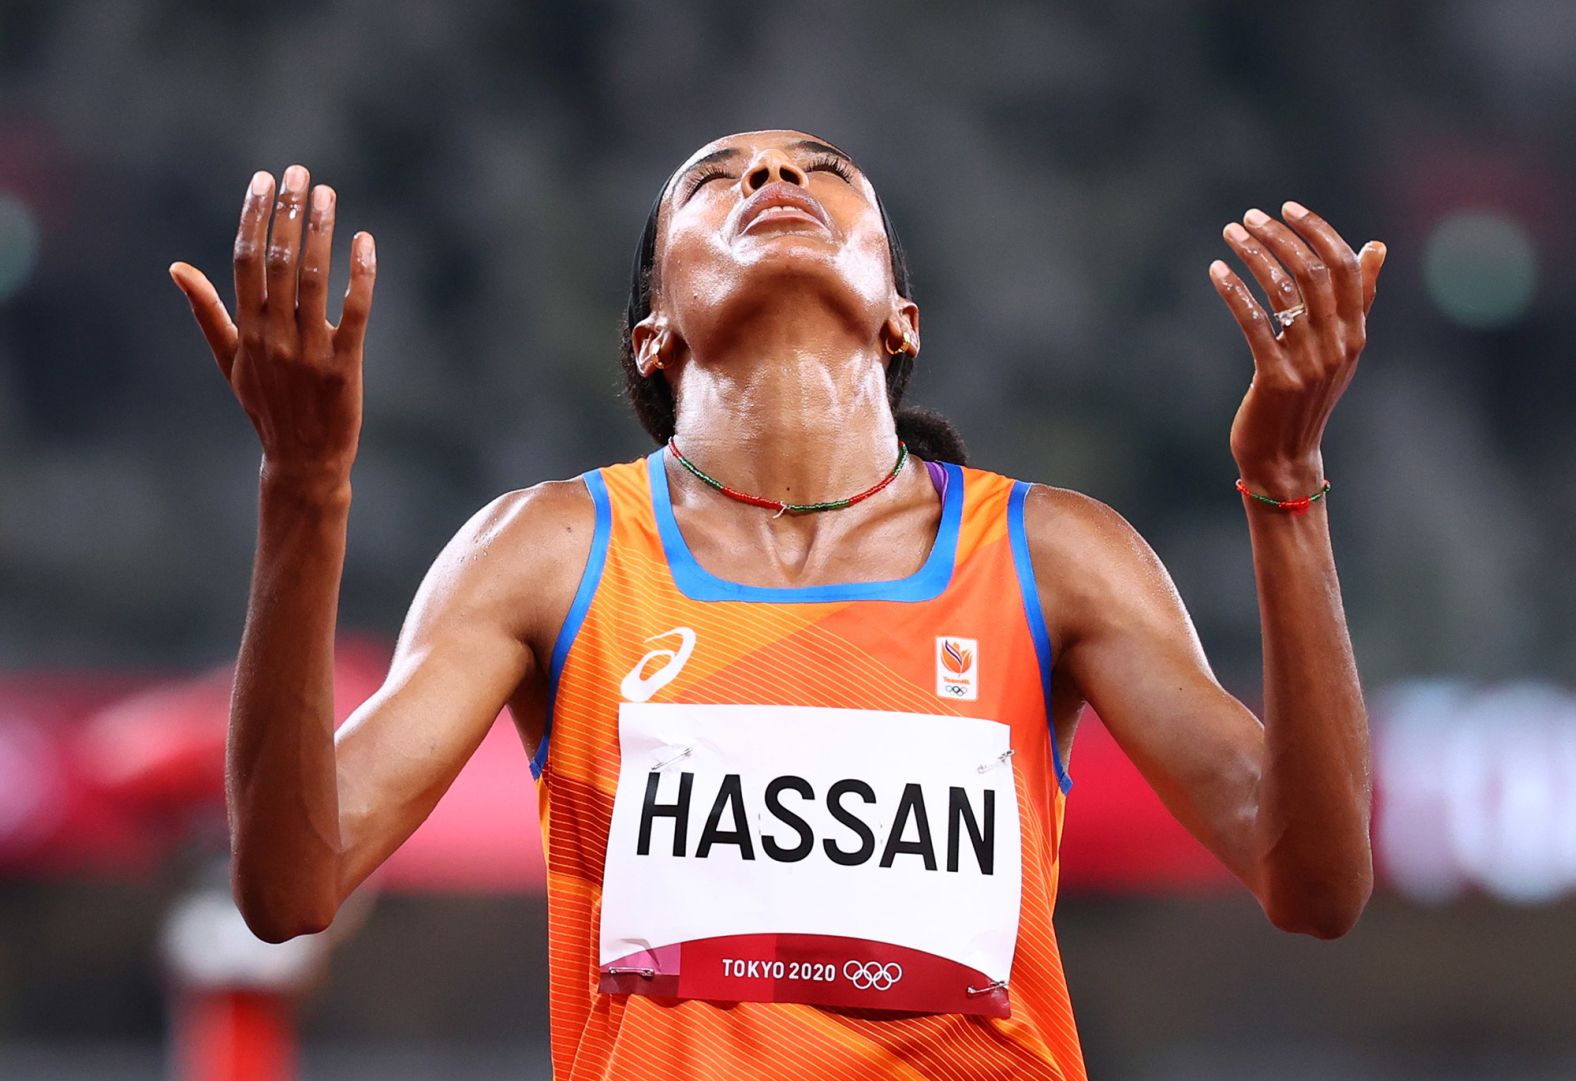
(475, 633)
(1123, 639)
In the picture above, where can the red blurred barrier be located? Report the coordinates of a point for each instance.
(123, 772)
(234, 1036)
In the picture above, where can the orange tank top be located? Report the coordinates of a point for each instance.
(697, 731)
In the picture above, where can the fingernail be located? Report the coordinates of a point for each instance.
(1237, 232)
(260, 182)
(1256, 217)
(295, 178)
(1217, 269)
(1294, 210)
(322, 198)
(369, 253)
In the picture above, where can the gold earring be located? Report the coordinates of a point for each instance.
(900, 349)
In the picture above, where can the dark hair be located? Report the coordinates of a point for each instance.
(928, 434)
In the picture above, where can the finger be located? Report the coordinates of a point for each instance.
(1371, 260)
(312, 306)
(1250, 317)
(358, 295)
(210, 314)
(1311, 273)
(1336, 253)
(250, 238)
(1278, 285)
(283, 247)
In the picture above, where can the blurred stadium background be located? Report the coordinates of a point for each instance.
(1059, 174)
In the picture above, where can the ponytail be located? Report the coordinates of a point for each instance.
(930, 435)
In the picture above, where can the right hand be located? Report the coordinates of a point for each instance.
(297, 376)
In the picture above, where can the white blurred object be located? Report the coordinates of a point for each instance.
(1481, 267)
(233, 997)
(19, 243)
(1477, 789)
(207, 944)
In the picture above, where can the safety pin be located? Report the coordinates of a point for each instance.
(666, 762)
(643, 973)
(996, 986)
(998, 760)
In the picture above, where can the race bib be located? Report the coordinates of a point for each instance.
(838, 857)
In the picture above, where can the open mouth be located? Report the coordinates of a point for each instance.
(781, 202)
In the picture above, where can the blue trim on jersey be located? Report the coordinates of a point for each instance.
(589, 579)
(1036, 615)
(699, 584)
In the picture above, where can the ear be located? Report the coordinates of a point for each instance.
(652, 343)
(900, 332)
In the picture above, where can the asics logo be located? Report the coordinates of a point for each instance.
(639, 687)
(872, 975)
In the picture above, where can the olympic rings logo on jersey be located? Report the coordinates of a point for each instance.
(872, 975)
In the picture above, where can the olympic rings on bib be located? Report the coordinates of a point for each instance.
(872, 975)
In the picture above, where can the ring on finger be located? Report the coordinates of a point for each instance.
(1287, 316)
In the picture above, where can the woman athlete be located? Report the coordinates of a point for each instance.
(800, 695)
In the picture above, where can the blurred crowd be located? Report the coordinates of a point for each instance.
(1059, 174)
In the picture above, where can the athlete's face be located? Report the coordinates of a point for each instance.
(764, 215)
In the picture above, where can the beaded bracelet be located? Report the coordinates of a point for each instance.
(1290, 506)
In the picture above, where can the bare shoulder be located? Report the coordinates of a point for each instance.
(1061, 523)
(542, 522)
(519, 558)
(1091, 565)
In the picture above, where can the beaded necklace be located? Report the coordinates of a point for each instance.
(790, 508)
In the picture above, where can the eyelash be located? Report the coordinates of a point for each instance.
(711, 172)
(826, 161)
(833, 164)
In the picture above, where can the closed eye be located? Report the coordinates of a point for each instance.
(701, 176)
(833, 164)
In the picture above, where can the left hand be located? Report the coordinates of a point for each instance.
(1301, 372)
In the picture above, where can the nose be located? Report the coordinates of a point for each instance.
(771, 165)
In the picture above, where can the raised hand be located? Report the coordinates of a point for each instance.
(1300, 370)
(297, 376)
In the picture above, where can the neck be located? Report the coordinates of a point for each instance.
(792, 421)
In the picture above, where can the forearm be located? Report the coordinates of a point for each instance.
(1313, 795)
(280, 769)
